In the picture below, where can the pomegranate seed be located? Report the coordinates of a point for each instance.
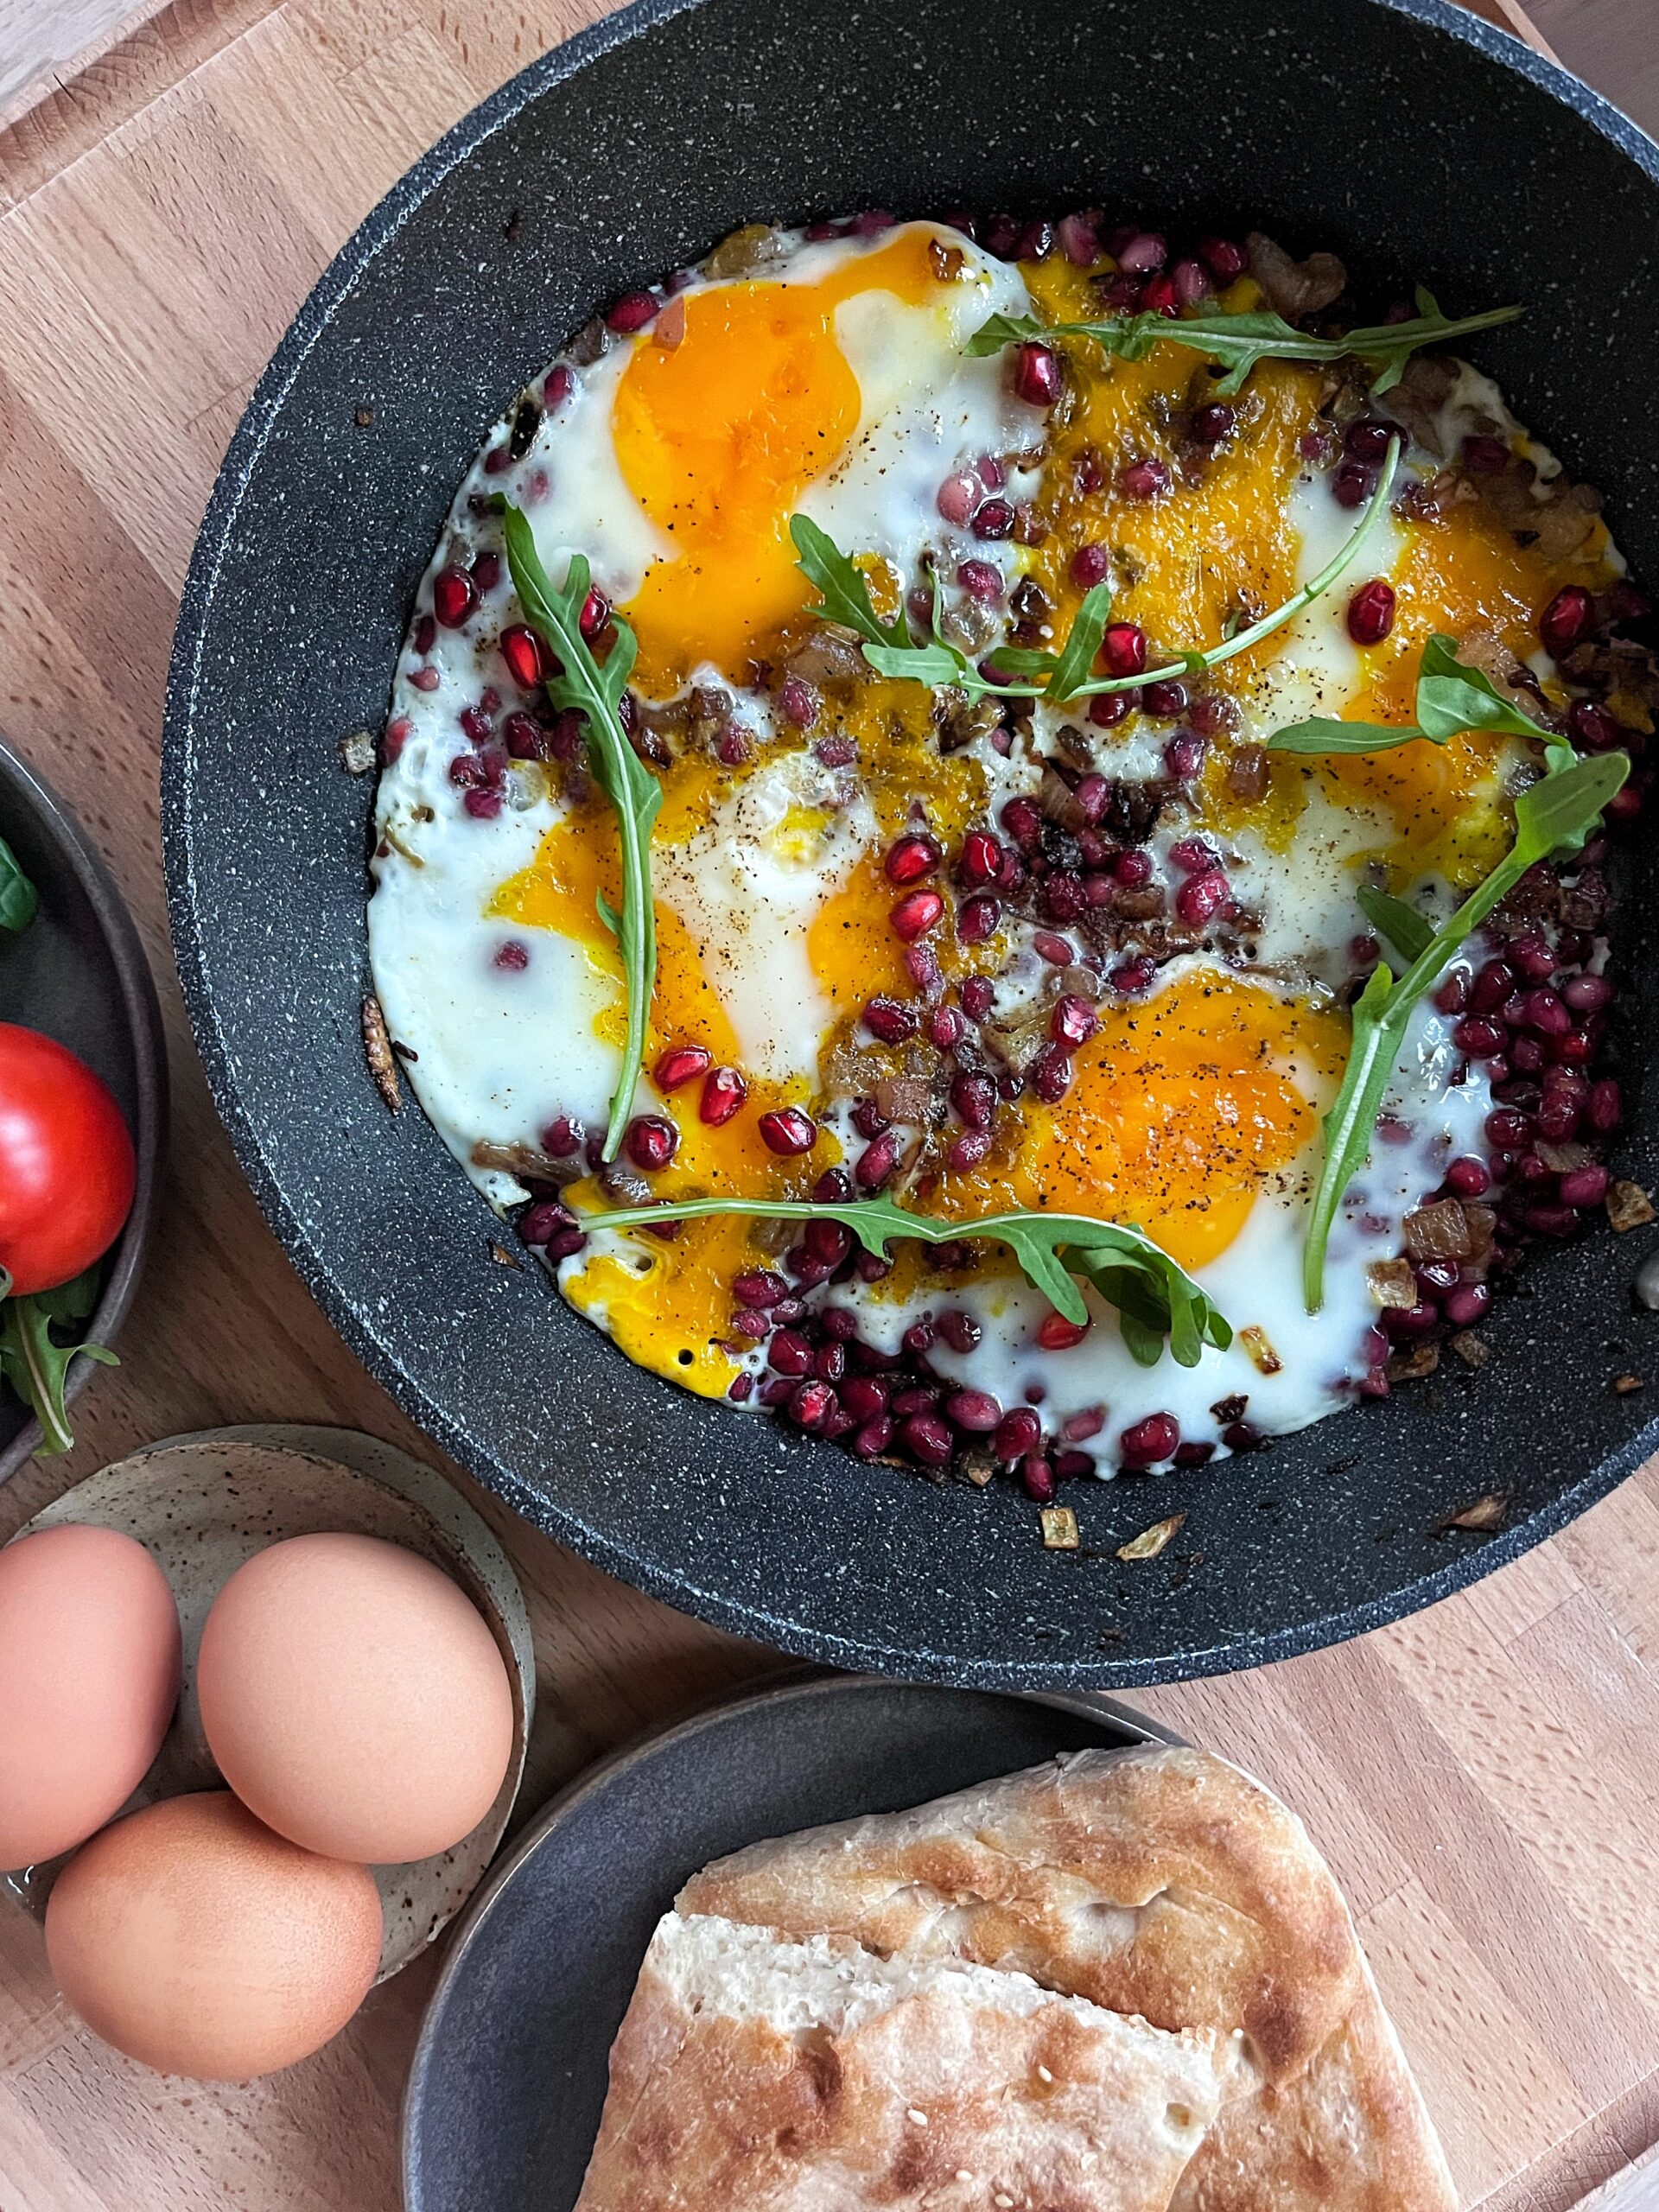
(1149, 1441)
(967, 1150)
(1078, 237)
(1367, 440)
(1166, 699)
(1018, 1433)
(483, 806)
(1185, 755)
(995, 520)
(1192, 282)
(790, 1352)
(680, 1064)
(760, 1287)
(1350, 486)
(1583, 1187)
(544, 1219)
(1133, 868)
(973, 1097)
(1212, 425)
(426, 634)
(631, 312)
(787, 1130)
(978, 996)
(1056, 1333)
(981, 859)
(958, 498)
(925, 1437)
(799, 702)
(723, 1092)
(1467, 1178)
(1591, 729)
(521, 649)
(915, 914)
(395, 736)
(1604, 1108)
(1146, 479)
(486, 571)
(828, 1242)
(912, 858)
(1506, 1130)
(1140, 252)
(1108, 708)
(1123, 649)
(453, 596)
(1485, 456)
(811, 1404)
(1223, 259)
(873, 1438)
(652, 1142)
(1038, 1475)
(1201, 898)
(1091, 564)
(1062, 896)
(959, 1328)
(1073, 1021)
(1370, 613)
(524, 737)
(877, 1161)
(1058, 951)
(1049, 1075)
(976, 1411)
(1565, 620)
(512, 956)
(1193, 855)
(890, 1020)
(1038, 377)
(833, 1188)
(980, 579)
(1544, 1013)
(1130, 977)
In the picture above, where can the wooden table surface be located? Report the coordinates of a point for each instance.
(1482, 1778)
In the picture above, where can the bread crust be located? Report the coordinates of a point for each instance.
(1159, 1882)
(738, 2081)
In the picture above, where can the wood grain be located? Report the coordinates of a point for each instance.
(1482, 1777)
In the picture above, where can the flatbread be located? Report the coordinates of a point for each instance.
(755, 2073)
(1162, 1883)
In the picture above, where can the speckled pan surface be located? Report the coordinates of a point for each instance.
(204, 1504)
(1414, 140)
(508, 2079)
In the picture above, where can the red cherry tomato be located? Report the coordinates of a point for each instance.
(66, 1165)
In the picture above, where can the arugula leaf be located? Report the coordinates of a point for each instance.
(1407, 930)
(18, 897)
(1066, 673)
(1452, 697)
(596, 693)
(1239, 341)
(888, 646)
(32, 1360)
(1126, 1267)
(1554, 816)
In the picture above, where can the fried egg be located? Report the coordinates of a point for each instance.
(826, 376)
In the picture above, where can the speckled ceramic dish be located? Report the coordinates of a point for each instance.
(509, 2076)
(79, 974)
(1416, 141)
(204, 1503)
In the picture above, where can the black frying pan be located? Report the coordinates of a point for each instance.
(1418, 144)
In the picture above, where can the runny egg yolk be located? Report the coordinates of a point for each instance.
(719, 436)
(1183, 1111)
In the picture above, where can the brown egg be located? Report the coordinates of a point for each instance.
(192, 1938)
(89, 1658)
(353, 1697)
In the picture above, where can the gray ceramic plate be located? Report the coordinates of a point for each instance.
(79, 973)
(509, 2076)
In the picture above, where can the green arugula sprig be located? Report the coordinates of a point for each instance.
(891, 650)
(595, 692)
(1239, 341)
(18, 897)
(1554, 817)
(32, 1360)
(1452, 697)
(1157, 1300)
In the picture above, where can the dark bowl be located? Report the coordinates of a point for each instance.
(79, 973)
(509, 2076)
(1415, 140)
